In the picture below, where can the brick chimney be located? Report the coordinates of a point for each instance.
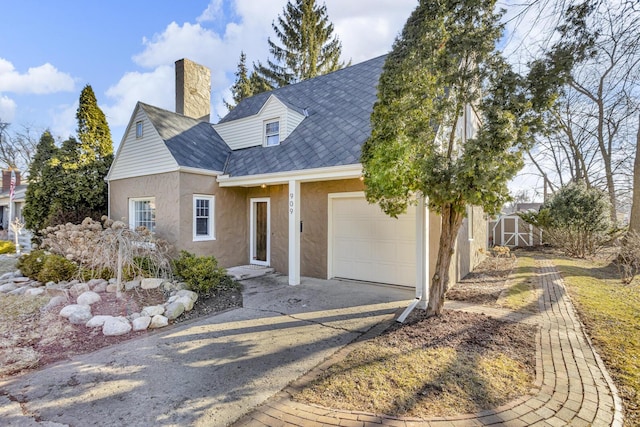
(6, 180)
(193, 90)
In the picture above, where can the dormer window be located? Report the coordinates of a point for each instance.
(272, 133)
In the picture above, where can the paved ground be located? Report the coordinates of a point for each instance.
(572, 386)
(213, 371)
(210, 372)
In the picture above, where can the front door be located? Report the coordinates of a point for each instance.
(260, 231)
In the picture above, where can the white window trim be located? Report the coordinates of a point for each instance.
(132, 217)
(264, 131)
(211, 226)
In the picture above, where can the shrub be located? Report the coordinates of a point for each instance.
(110, 247)
(575, 219)
(7, 247)
(57, 268)
(200, 273)
(31, 264)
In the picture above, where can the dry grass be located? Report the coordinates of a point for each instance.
(18, 314)
(522, 290)
(611, 312)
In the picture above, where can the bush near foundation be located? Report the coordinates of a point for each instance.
(200, 273)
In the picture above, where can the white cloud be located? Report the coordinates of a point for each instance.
(40, 80)
(211, 13)
(7, 109)
(156, 88)
(63, 120)
(366, 29)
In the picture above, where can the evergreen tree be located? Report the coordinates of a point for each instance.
(443, 63)
(67, 184)
(41, 189)
(309, 47)
(242, 88)
(93, 131)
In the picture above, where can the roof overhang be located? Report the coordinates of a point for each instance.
(308, 175)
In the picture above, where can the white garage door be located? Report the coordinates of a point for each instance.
(369, 245)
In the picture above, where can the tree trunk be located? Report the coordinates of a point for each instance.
(634, 220)
(451, 222)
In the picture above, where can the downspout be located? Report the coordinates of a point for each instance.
(422, 260)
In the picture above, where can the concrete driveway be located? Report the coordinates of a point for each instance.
(209, 372)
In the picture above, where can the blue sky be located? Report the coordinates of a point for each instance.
(126, 49)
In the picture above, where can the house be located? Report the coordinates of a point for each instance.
(277, 182)
(12, 209)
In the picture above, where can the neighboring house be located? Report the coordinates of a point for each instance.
(24, 239)
(277, 182)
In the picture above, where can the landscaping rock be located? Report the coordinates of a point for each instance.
(20, 279)
(20, 290)
(68, 310)
(112, 288)
(6, 276)
(8, 287)
(152, 310)
(186, 301)
(88, 298)
(94, 282)
(132, 284)
(150, 283)
(55, 302)
(190, 294)
(34, 291)
(97, 321)
(158, 321)
(141, 323)
(116, 326)
(100, 287)
(77, 289)
(81, 316)
(174, 310)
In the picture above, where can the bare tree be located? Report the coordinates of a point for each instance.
(596, 65)
(16, 149)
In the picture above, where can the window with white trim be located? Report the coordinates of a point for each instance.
(272, 133)
(203, 210)
(139, 129)
(142, 213)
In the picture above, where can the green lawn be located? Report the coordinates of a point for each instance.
(611, 312)
(521, 294)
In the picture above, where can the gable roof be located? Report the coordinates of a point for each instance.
(193, 143)
(339, 107)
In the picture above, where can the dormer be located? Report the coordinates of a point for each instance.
(269, 127)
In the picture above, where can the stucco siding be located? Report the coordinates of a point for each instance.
(173, 193)
(230, 245)
(150, 147)
(166, 190)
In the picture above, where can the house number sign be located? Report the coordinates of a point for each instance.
(291, 204)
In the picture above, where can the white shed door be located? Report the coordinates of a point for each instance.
(366, 244)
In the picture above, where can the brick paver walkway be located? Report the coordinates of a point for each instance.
(572, 386)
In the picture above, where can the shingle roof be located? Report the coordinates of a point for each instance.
(192, 143)
(339, 107)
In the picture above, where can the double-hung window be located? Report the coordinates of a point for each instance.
(142, 213)
(203, 210)
(272, 133)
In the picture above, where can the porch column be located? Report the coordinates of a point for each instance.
(294, 232)
(422, 253)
